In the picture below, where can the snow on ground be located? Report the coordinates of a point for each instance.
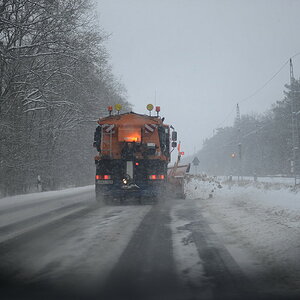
(268, 182)
(266, 222)
(199, 186)
(23, 207)
(185, 252)
(278, 202)
(39, 196)
(288, 181)
(189, 264)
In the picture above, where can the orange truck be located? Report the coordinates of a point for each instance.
(133, 155)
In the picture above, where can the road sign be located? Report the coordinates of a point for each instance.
(196, 161)
(181, 153)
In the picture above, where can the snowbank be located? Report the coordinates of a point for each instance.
(267, 222)
(37, 197)
(200, 187)
(270, 182)
(282, 198)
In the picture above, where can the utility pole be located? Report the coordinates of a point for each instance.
(238, 124)
(294, 162)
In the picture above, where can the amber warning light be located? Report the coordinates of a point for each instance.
(129, 134)
(157, 109)
(109, 108)
(131, 139)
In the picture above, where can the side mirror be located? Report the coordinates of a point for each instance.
(174, 144)
(174, 136)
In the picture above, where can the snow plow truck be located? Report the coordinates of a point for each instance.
(133, 155)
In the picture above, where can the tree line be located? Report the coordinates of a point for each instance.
(264, 144)
(55, 82)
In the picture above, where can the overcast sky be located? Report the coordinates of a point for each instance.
(201, 57)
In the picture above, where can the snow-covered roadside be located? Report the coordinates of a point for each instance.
(202, 187)
(266, 222)
(22, 213)
(37, 197)
(274, 180)
(283, 203)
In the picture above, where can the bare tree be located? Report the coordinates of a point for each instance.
(54, 76)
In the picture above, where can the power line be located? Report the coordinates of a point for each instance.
(231, 112)
(256, 130)
(257, 91)
(266, 83)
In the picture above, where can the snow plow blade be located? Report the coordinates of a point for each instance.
(176, 177)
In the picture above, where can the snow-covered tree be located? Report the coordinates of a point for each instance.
(55, 79)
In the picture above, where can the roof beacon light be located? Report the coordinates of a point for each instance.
(118, 107)
(109, 108)
(157, 109)
(150, 108)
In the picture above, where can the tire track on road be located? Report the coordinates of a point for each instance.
(223, 276)
(146, 269)
(69, 256)
(226, 278)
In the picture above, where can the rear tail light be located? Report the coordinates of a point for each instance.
(155, 177)
(103, 177)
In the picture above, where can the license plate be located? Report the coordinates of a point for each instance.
(105, 182)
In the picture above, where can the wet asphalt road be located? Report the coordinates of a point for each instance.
(98, 252)
(146, 269)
